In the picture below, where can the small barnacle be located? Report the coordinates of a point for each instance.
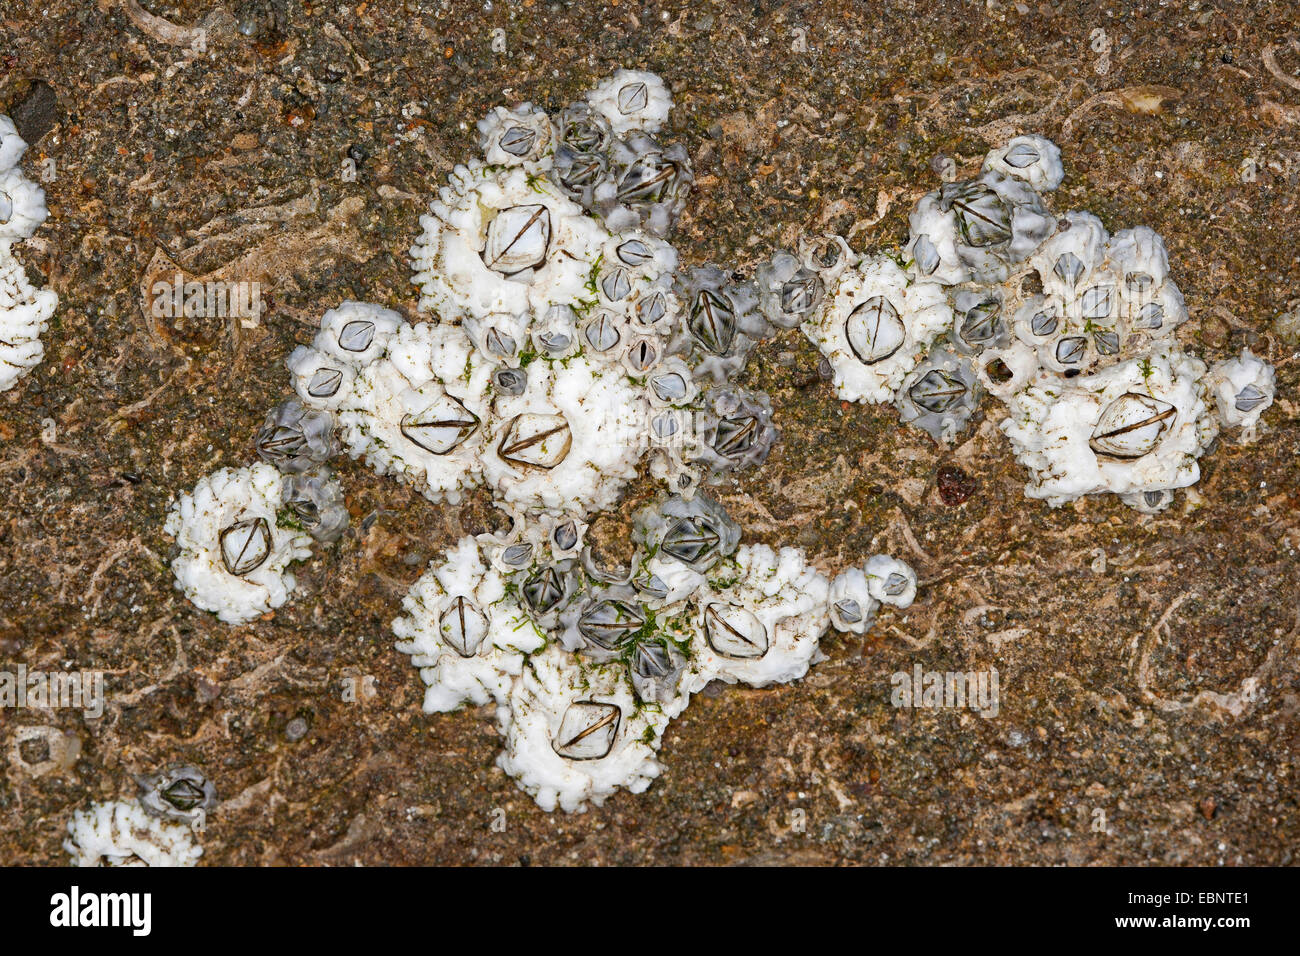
(874, 330)
(514, 137)
(295, 438)
(536, 441)
(463, 626)
(698, 533)
(610, 625)
(925, 255)
(500, 344)
(735, 428)
(616, 284)
(1150, 316)
(788, 290)
(937, 391)
(983, 218)
(517, 555)
(316, 499)
(509, 381)
(713, 321)
(602, 332)
(734, 632)
(1243, 389)
(587, 730)
(1107, 341)
(1095, 304)
(891, 581)
(1149, 502)
(1071, 350)
(583, 129)
(177, 792)
(1131, 426)
(1070, 268)
(518, 239)
(580, 173)
(1044, 322)
(566, 535)
(982, 323)
(940, 395)
(545, 589)
(643, 355)
(441, 426)
(245, 545)
(655, 667)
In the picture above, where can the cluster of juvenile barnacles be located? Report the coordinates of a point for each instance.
(567, 346)
(24, 310)
(1070, 327)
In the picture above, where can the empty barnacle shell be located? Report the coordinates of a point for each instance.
(1071, 350)
(441, 427)
(602, 332)
(245, 545)
(1131, 426)
(983, 219)
(544, 589)
(509, 381)
(982, 323)
(316, 499)
(584, 129)
(588, 730)
(518, 239)
(177, 792)
(712, 321)
(463, 626)
(295, 438)
(536, 440)
(733, 631)
(610, 624)
(937, 391)
(874, 330)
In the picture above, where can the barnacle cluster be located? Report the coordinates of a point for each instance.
(565, 347)
(24, 310)
(588, 664)
(1072, 328)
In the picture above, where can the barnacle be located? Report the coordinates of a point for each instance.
(735, 430)
(874, 326)
(24, 310)
(632, 100)
(234, 553)
(296, 439)
(1134, 427)
(516, 137)
(177, 792)
(315, 499)
(939, 395)
(1243, 389)
(122, 834)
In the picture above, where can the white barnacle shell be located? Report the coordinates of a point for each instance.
(465, 632)
(233, 553)
(874, 326)
(632, 100)
(575, 733)
(356, 332)
(24, 316)
(570, 441)
(1035, 159)
(121, 833)
(522, 136)
(501, 240)
(421, 412)
(1137, 426)
(849, 602)
(1243, 389)
(890, 581)
(759, 618)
